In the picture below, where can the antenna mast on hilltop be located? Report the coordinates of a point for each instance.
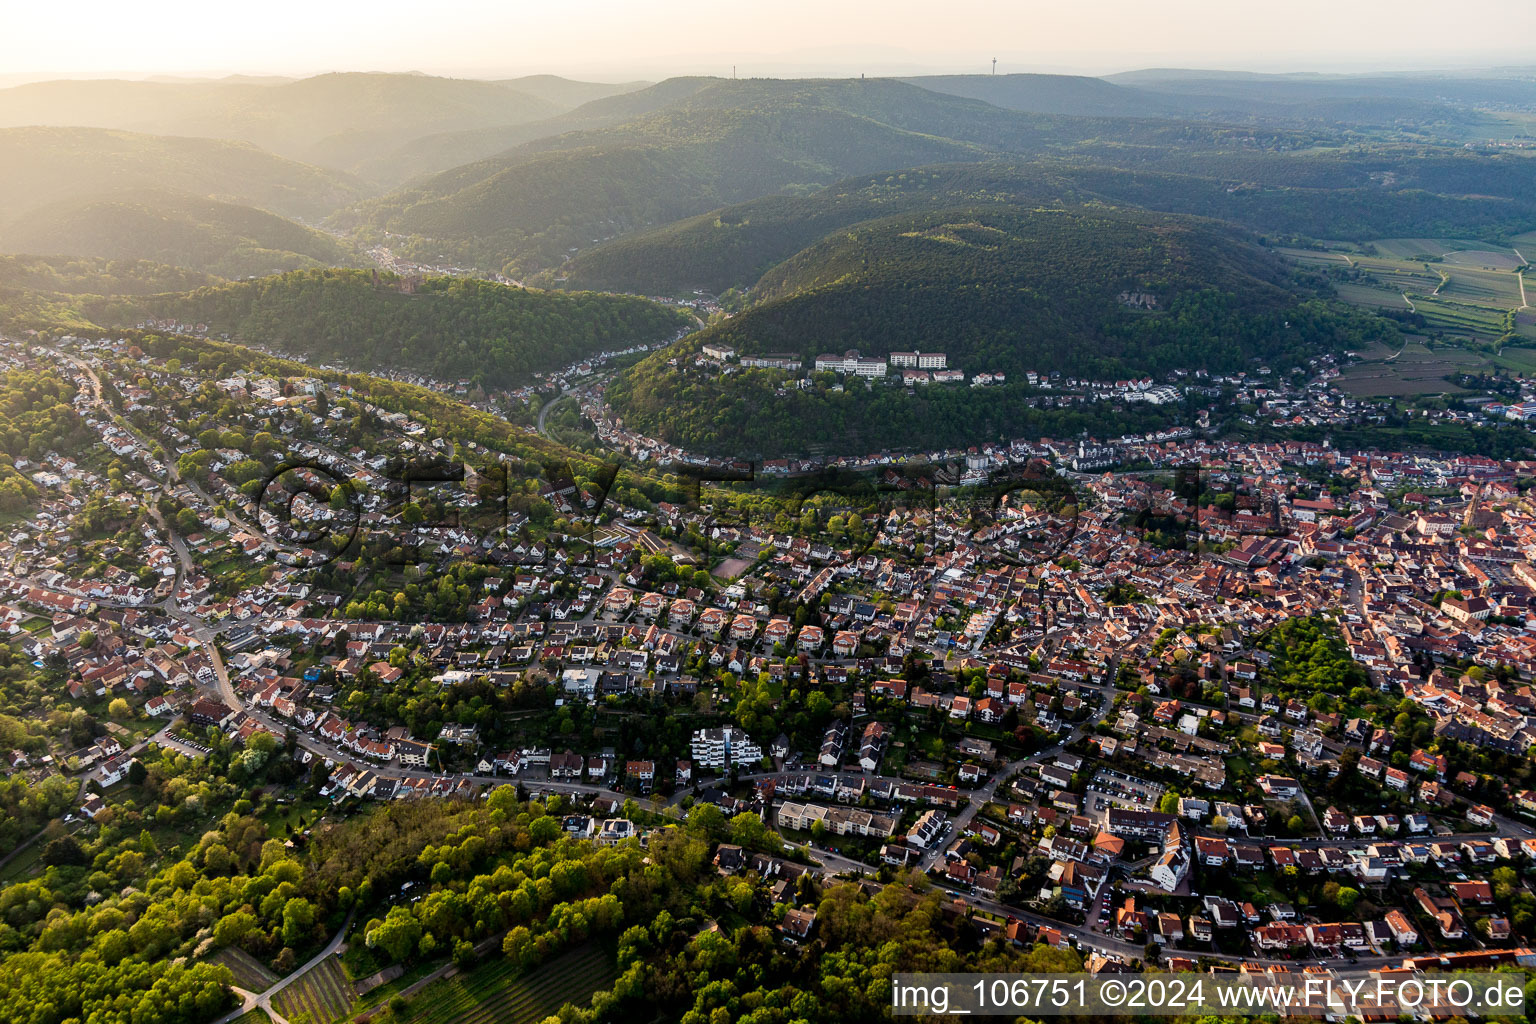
(733, 70)
(994, 65)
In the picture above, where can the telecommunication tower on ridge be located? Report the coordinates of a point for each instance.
(994, 65)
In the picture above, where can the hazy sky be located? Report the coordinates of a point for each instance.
(612, 40)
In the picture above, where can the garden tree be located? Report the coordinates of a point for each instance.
(64, 850)
(298, 920)
(234, 927)
(397, 935)
(118, 708)
(544, 829)
(707, 821)
(749, 832)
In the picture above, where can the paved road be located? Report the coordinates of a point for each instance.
(251, 1000)
(544, 410)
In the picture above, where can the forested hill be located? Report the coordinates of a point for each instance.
(1091, 292)
(1281, 199)
(686, 146)
(733, 247)
(224, 239)
(50, 291)
(448, 327)
(1013, 289)
(42, 166)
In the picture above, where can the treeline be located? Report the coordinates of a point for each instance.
(447, 327)
(1008, 290)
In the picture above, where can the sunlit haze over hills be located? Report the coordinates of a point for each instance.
(617, 39)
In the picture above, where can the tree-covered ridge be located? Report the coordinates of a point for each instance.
(527, 215)
(752, 414)
(448, 327)
(94, 275)
(218, 238)
(734, 246)
(686, 146)
(351, 121)
(1010, 289)
(40, 166)
(996, 288)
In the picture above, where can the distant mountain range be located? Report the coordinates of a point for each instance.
(346, 122)
(776, 194)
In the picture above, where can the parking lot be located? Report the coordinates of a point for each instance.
(1110, 788)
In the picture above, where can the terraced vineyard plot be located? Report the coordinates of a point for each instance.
(1483, 259)
(1518, 360)
(1454, 316)
(322, 995)
(1419, 248)
(1482, 287)
(250, 974)
(499, 993)
(1416, 371)
(1365, 295)
(1314, 257)
(1399, 274)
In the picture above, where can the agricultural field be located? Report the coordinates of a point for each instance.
(1314, 257)
(1458, 317)
(1415, 371)
(1414, 278)
(1518, 360)
(320, 996)
(1504, 260)
(1500, 290)
(1420, 249)
(1458, 286)
(250, 974)
(1368, 295)
(500, 993)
